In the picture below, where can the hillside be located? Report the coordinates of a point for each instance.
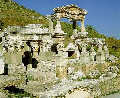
(113, 44)
(13, 14)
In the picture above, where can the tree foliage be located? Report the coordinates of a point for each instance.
(114, 46)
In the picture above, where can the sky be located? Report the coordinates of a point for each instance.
(104, 15)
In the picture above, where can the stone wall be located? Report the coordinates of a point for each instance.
(99, 88)
(11, 81)
(109, 86)
(13, 57)
(79, 94)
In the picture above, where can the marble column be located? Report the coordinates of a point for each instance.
(77, 52)
(82, 25)
(61, 67)
(100, 55)
(106, 51)
(84, 55)
(92, 54)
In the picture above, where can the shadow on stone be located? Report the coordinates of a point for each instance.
(27, 59)
(34, 63)
(13, 89)
(54, 48)
(5, 69)
(17, 93)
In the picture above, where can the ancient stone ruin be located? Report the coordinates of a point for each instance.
(41, 51)
(32, 40)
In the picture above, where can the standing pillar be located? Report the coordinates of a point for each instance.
(92, 54)
(78, 53)
(84, 55)
(106, 51)
(82, 25)
(100, 55)
(61, 67)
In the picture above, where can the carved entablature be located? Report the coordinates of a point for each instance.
(71, 12)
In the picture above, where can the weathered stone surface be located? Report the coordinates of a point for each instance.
(79, 94)
(14, 69)
(67, 65)
(112, 58)
(94, 74)
(58, 29)
(2, 64)
(113, 69)
(100, 57)
(77, 75)
(70, 70)
(2, 95)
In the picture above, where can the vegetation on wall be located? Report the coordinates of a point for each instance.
(13, 14)
(92, 32)
(113, 44)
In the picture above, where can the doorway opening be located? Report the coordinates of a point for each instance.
(70, 53)
(54, 48)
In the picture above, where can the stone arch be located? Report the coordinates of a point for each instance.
(71, 12)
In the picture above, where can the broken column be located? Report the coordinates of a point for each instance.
(100, 58)
(84, 58)
(77, 53)
(106, 51)
(61, 62)
(61, 67)
(92, 54)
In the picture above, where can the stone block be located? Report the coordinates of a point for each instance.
(61, 72)
(2, 64)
